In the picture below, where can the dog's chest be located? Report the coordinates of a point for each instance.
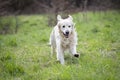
(66, 42)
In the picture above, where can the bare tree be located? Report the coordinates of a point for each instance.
(84, 9)
(52, 8)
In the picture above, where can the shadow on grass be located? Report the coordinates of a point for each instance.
(73, 60)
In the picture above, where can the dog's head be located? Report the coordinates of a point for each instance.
(66, 26)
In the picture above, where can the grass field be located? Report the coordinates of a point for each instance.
(26, 56)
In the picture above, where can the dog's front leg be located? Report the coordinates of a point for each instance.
(60, 55)
(73, 50)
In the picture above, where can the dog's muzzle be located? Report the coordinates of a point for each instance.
(66, 34)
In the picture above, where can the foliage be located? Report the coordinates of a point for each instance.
(54, 6)
(7, 24)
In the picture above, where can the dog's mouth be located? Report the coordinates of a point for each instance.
(66, 35)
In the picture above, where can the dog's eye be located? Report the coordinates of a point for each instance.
(63, 26)
(69, 26)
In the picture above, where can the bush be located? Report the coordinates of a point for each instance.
(7, 24)
(8, 64)
(14, 69)
(13, 42)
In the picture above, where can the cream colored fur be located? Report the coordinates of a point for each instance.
(63, 37)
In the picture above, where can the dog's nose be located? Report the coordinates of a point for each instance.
(67, 32)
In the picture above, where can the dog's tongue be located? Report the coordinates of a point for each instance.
(66, 36)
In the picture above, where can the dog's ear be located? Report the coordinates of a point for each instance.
(70, 17)
(59, 17)
(73, 25)
(58, 25)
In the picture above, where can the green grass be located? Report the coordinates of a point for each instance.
(26, 56)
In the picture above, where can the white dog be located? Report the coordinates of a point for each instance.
(63, 37)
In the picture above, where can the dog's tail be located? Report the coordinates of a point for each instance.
(49, 44)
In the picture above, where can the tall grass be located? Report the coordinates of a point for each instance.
(26, 56)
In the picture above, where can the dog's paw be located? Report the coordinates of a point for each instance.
(76, 55)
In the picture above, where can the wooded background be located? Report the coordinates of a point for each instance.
(54, 6)
(50, 7)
